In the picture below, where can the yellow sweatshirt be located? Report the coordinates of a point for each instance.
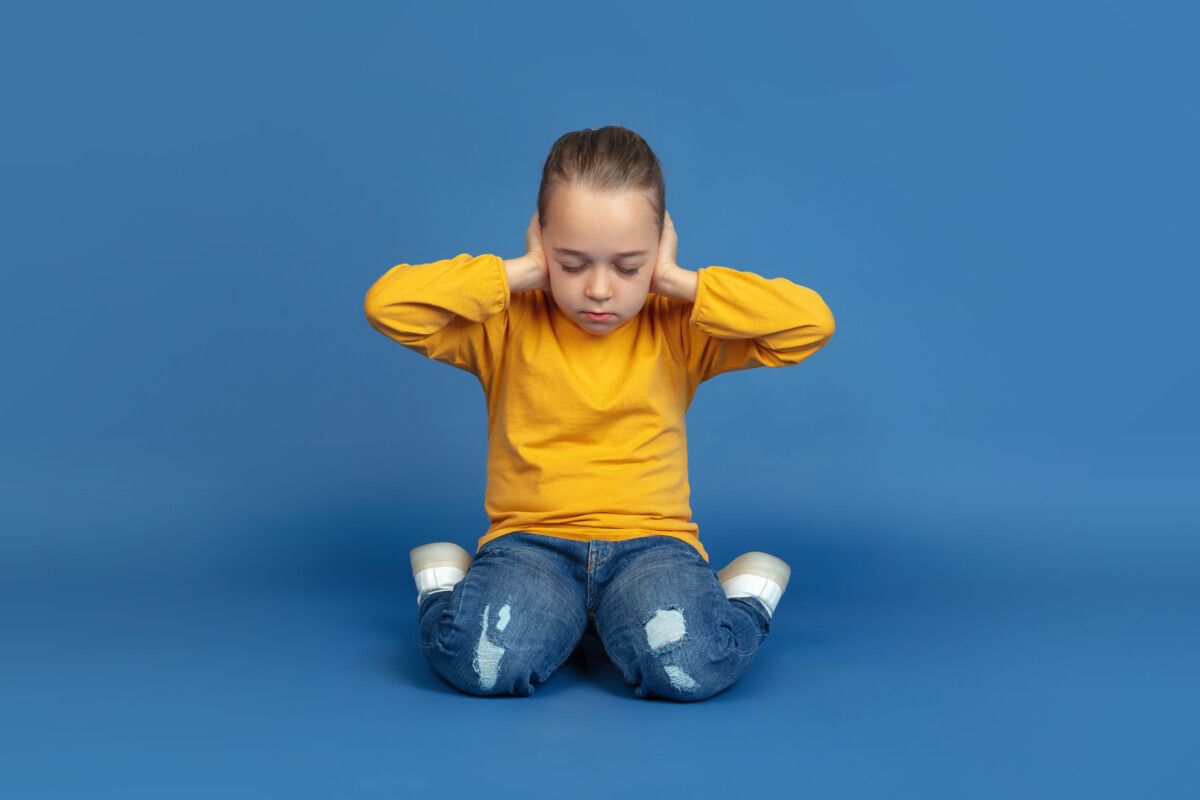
(586, 436)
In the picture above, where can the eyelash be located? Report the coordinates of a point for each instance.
(573, 270)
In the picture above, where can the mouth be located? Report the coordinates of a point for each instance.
(597, 316)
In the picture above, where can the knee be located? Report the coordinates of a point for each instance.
(677, 663)
(496, 659)
(487, 672)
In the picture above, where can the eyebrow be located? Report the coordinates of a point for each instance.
(584, 255)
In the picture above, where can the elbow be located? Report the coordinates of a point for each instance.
(370, 309)
(374, 308)
(386, 319)
(827, 327)
(821, 325)
(376, 313)
(823, 322)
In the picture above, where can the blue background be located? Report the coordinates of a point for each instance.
(212, 468)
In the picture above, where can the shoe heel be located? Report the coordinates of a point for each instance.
(438, 567)
(755, 563)
(439, 554)
(758, 575)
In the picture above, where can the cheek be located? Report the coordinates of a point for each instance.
(637, 291)
(564, 290)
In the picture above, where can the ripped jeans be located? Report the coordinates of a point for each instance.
(654, 602)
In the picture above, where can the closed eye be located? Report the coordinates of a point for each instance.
(622, 270)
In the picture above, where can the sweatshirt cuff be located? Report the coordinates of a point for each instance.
(503, 281)
(697, 306)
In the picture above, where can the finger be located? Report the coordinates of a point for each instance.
(669, 239)
(534, 234)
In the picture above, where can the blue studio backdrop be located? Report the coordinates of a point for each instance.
(212, 468)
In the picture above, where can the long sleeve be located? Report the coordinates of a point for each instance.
(454, 310)
(741, 320)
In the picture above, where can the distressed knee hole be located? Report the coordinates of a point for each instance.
(680, 679)
(665, 627)
(487, 652)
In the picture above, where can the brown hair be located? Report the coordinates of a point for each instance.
(609, 159)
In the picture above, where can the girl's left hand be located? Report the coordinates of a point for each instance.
(665, 264)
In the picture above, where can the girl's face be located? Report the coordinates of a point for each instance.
(601, 250)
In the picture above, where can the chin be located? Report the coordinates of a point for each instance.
(594, 329)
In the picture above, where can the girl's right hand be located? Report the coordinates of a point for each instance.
(536, 255)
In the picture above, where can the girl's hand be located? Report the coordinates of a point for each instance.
(665, 266)
(535, 254)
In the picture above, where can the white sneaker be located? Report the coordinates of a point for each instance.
(758, 575)
(437, 567)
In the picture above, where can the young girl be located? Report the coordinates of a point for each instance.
(589, 349)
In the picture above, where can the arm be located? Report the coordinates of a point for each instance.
(740, 320)
(454, 310)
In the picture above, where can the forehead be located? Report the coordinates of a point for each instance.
(591, 221)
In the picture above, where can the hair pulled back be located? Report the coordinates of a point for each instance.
(610, 159)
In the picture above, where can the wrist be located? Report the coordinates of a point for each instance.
(522, 273)
(680, 284)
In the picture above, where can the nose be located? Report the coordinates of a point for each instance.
(598, 287)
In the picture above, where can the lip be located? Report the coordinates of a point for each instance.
(597, 317)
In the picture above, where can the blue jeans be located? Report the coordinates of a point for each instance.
(654, 603)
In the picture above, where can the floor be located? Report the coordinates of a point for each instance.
(902, 663)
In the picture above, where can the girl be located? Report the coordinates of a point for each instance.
(589, 349)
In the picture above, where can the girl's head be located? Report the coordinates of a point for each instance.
(601, 207)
